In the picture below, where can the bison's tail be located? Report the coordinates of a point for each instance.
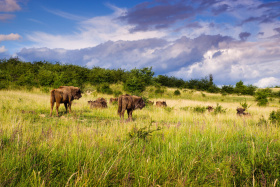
(119, 105)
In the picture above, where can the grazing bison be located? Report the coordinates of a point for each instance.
(161, 104)
(240, 111)
(64, 94)
(210, 108)
(113, 100)
(129, 103)
(98, 103)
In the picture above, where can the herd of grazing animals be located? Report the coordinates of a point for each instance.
(66, 94)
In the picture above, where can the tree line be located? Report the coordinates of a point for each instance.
(15, 73)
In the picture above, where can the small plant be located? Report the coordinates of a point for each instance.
(219, 109)
(274, 116)
(177, 92)
(202, 94)
(186, 108)
(245, 105)
(168, 109)
(159, 91)
(199, 109)
(45, 90)
(142, 133)
(262, 121)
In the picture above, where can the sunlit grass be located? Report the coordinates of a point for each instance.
(91, 147)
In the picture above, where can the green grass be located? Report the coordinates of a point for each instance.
(92, 148)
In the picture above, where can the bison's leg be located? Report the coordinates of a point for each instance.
(129, 114)
(122, 115)
(69, 106)
(57, 106)
(65, 105)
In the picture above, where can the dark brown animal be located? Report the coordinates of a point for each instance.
(129, 103)
(210, 108)
(64, 94)
(113, 100)
(98, 103)
(240, 111)
(161, 104)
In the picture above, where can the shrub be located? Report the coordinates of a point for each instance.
(202, 94)
(45, 90)
(117, 93)
(245, 105)
(142, 133)
(261, 97)
(199, 109)
(104, 88)
(219, 109)
(274, 116)
(159, 91)
(177, 92)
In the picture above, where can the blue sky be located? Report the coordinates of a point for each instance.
(231, 39)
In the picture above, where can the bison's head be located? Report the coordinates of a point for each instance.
(76, 93)
(140, 104)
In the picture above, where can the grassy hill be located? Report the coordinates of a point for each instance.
(181, 145)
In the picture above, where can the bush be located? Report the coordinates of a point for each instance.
(274, 116)
(261, 97)
(245, 105)
(117, 93)
(159, 91)
(219, 109)
(45, 90)
(177, 92)
(199, 109)
(104, 88)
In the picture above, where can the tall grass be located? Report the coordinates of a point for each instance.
(93, 148)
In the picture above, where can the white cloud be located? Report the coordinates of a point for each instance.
(9, 6)
(92, 32)
(3, 49)
(248, 61)
(11, 36)
(268, 82)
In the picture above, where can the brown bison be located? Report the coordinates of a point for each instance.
(98, 103)
(129, 103)
(113, 100)
(161, 104)
(241, 111)
(210, 108)
(64, 94)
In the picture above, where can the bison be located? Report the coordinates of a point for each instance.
(161, 104)
(98, 103)
(240, 111)
(129, 103)
(64, 94)
(113, 100)
(210, 108)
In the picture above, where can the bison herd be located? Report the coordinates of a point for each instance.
(66, 94)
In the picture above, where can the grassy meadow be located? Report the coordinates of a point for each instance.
(173, 146)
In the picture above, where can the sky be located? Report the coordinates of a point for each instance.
(231, 39)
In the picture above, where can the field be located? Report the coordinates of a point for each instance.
(173, 146)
